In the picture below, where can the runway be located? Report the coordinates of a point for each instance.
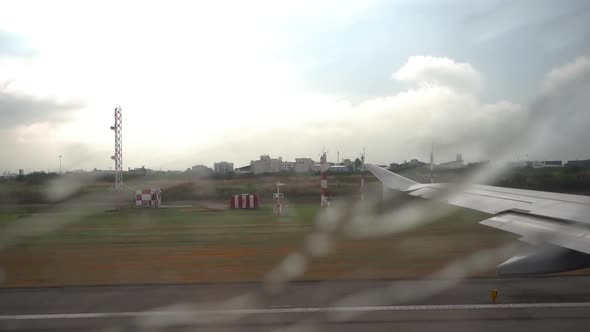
(540, 303)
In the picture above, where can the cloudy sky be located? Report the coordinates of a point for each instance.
(230, 80)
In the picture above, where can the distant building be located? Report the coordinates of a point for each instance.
(348, 163)
(456, 164)
(303, 165)
(21, 172)
(553, 163)
(338, 169)
(288, 166)
(578, 163)
(482, 163)
(244, 170)
(547, 163)
(201, 171)
(102, 171)
(518, 164)
(266, 165)
(9, 176)
(140, 171)
(410, 164)
(223, 167)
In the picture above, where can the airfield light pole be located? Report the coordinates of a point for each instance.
(324, 180)
(363, 175)
(118, 156)
(60, 164)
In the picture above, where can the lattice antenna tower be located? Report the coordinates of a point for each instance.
(363, 158)
(118, 156)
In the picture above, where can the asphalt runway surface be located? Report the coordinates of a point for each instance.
(557, 303)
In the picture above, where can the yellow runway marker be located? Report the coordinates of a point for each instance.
(494, 295)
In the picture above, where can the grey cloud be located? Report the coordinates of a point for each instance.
(553, 126)
(42, 156)
(16, 109)
(561, 115)
(568, 78)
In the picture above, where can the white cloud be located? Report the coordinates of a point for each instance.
(179, 132)
(393, 128)
(564, 76)
(442, 71)
(205, 80)
(187, 74)
(295, 124)
(402, 126)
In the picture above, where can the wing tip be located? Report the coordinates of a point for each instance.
(390, 179)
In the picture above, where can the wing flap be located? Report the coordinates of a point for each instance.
(536, 229)
(471, 199)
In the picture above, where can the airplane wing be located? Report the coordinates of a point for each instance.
(558, 224)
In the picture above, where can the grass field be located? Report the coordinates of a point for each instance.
(209, 243)
(176, 188)
(72, 230)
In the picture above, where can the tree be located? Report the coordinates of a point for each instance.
(357, 163)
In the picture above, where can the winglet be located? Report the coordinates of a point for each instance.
(390, 179)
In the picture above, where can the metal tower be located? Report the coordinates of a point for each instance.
(118, 156)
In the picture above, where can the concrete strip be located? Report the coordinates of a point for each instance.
(361, 309)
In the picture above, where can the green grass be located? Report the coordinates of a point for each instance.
(162, 226)
(176, 245)
(191, 226)
(179, 188)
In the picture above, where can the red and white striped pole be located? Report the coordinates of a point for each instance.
(363, 175)
(324, 180)
(279, 207)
